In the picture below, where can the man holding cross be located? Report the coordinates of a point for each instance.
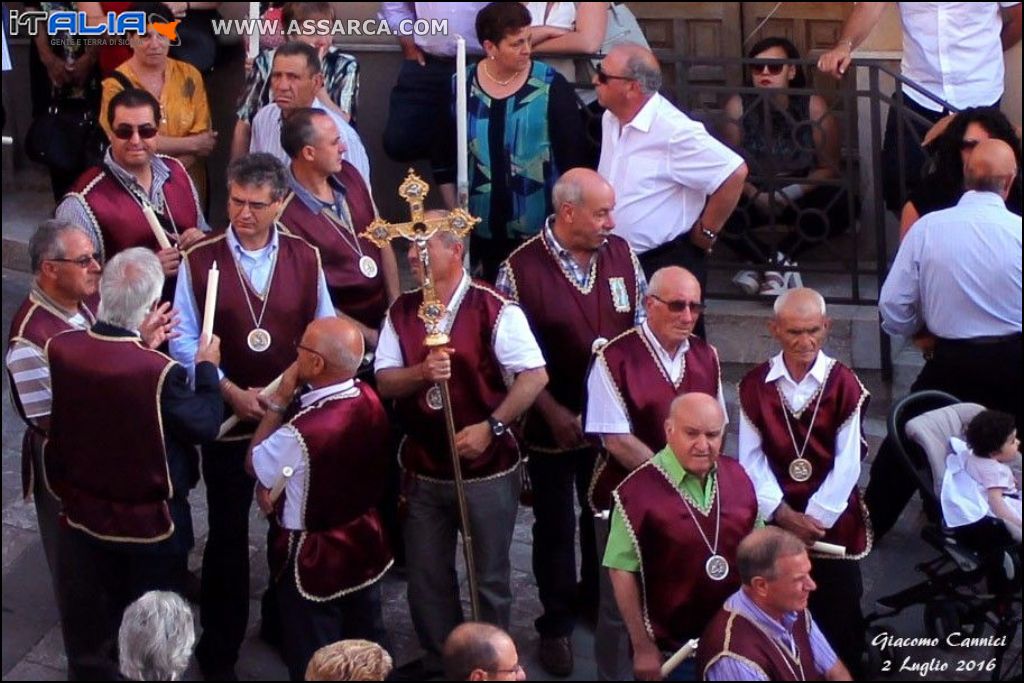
(489, 339)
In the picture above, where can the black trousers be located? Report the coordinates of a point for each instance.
(553, 476)
(419, 111)
(988, 373)
(679, 252)
(224, 601)
(96, 582)
(309, 625)
(835, 606)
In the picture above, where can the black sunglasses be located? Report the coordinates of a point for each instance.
(125, 132)
(603, 77)
(695, 307)
(772, 68)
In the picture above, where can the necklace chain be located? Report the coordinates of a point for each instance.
(718, 519)
(266, 295)
(792, 436)
(501, 83)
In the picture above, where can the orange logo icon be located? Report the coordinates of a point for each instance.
(168, 29)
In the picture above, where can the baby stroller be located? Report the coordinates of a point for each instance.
(973, 585)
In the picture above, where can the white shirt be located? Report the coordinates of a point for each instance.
(285, 448)
(830, 500)
(953, 50)
(515, 347)
(266, 137)
(605, 412)
(663, 165)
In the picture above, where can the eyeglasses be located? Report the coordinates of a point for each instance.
(513, 670)
(81, 261)
(603, 77)
(679, 306)
(300, 345)
(125, 131)
(240, 204)
(773, 68)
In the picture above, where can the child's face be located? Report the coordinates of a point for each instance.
(1009, 450)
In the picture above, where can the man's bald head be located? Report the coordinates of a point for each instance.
(697, 402)
(671, 278)
(991, 167)
(339, 342)
(576, 185)
(471, 647)
(639, 63)
(802, 301)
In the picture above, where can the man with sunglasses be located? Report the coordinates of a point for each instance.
(801, 441)
(109, 199)
(271, 287)
(632, 382)
(327, 545)
(676, 185)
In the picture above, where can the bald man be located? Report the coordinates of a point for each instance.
(958, 276)
(676, 184)
(676, 524)
(801, 441)
(475, 651)
(579, 286)
(325, 455)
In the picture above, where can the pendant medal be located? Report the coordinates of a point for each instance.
(800, 470)
(717, 567)
(368, 267)
(434, 399)
(258, 340)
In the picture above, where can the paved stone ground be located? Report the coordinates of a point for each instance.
(32, 646)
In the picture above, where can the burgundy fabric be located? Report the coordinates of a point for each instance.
(566, 321)
(344, 545)
(108, 465)
(842, 395)
(476, 387)
(356, 295)
(647, 394)
(121, 222)
(679, 598)
(733, 633)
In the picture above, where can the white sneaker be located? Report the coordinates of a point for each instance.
(774, 283)
(747, 280)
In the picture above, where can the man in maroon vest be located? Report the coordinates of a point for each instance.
(764, 631)
(579, 286)
(327, 549)
(801, 442)
(67, 273)
(330, 206)
(109, 198)
(271, 287)
(631, 384)
(677, 521)
(122, 469)
(489, 339)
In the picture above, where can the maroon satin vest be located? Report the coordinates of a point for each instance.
(732, 633)
(843, 394)
(35, 323)
(119, 216)
(476, 386)
(292, 305)
(354, 294)
(678, 596)
(108, 465)
(343, 547)
(566, 320)
(647, 394)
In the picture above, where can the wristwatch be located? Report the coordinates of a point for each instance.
(497, 426)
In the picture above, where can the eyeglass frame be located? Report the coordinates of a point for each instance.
(82, 261)
(774, 68)
(242, 204)
(603, 77)
(677, 306)
(512, 670)
(127, 131)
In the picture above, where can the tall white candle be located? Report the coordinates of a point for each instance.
(154, 225)
(254, 36)
(462, 158)
(267, 392)
(212, 283)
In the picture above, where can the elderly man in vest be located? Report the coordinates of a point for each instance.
(631, 384)
(677, 521)
(271, 287)
(764, 631)
(327, 548)
(489, 339)
(801, 442)
(122, 470)
(330, 206)
(109, 199)
(579, 287)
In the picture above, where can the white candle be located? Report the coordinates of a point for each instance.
(682, 654)
(154, 225)
(230, 423)
(212, 282)
(254, 36)
(828, 548)
(462, 155)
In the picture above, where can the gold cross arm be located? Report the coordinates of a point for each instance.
(414, 191)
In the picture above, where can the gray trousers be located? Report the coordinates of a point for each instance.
(611, 639)
(431, 531)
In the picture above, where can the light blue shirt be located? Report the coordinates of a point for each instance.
(256, 266)
(734, 669)
(958, 272)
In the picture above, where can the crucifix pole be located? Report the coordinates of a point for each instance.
(419, 230)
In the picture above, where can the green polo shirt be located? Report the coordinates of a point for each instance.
(620, 552)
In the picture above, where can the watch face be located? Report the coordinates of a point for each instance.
(497, 427)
